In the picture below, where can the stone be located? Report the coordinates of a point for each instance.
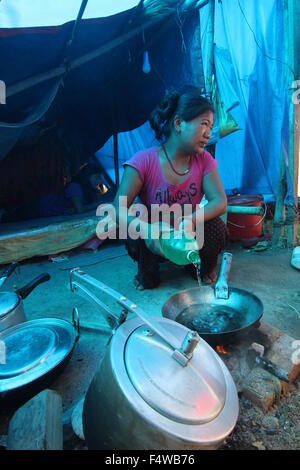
(262, 388)
(37, 425)
(281, 349)
(76, 419)
(285, 353)
(271, 424)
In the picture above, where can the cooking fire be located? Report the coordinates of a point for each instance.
(221, 350)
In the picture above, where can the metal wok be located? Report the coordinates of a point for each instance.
(221, 315)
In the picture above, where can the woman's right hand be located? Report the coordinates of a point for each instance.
(155, 230)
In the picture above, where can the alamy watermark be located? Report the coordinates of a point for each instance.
(2, 92)
(296, 94)
(138, 222)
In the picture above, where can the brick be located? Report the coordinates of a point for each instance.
(282, 353)
(279, 349)
(272, 333)
(263, 388)
(37, 425)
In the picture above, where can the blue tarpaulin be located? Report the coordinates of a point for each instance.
(109, 92)
(112, 93)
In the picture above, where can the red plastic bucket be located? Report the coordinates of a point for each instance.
(244, 225)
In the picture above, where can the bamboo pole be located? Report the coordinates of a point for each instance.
(296, 147)
(279, 216)
(210, 48)
(296, 108)
(116, 158)
(291, 228)
(210, 69)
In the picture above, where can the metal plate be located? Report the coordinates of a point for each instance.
(31, 349)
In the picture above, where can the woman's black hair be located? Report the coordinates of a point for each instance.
(188, 105)
(82, 178)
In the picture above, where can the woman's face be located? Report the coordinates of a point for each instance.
(195, 134)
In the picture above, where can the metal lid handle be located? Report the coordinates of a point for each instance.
(221, 289)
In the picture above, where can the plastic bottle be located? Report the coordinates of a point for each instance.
(179, 250)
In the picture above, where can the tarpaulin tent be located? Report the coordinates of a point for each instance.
(95, 83)
(78, 67)
(88, 74)
(254, 80)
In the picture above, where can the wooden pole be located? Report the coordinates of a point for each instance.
(279, 216)
(210, 69)
(291, 228)
(296, 147)
(116, 158)
(297, 106)
(115, 126)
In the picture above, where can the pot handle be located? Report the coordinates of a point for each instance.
(183, 351)
(221, 289)
(76, 321)
(24, 291)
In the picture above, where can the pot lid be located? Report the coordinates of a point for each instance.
(193, 394)
(8, 301)
(31, 349)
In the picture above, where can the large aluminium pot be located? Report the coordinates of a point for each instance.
(11, 303)
(159, 385)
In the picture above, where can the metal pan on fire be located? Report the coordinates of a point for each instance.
(220, 315)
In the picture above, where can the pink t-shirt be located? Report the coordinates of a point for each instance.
(156, 190)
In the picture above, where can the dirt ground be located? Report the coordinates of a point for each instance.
(279, 429)
(268, 274)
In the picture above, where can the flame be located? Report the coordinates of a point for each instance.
(220, 349)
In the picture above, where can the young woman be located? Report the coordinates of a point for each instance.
(178, 171)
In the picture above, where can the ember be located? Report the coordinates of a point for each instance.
(221, 350)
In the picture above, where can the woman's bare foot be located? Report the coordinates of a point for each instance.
(137, 284)
(210, 278)
(150, 283)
